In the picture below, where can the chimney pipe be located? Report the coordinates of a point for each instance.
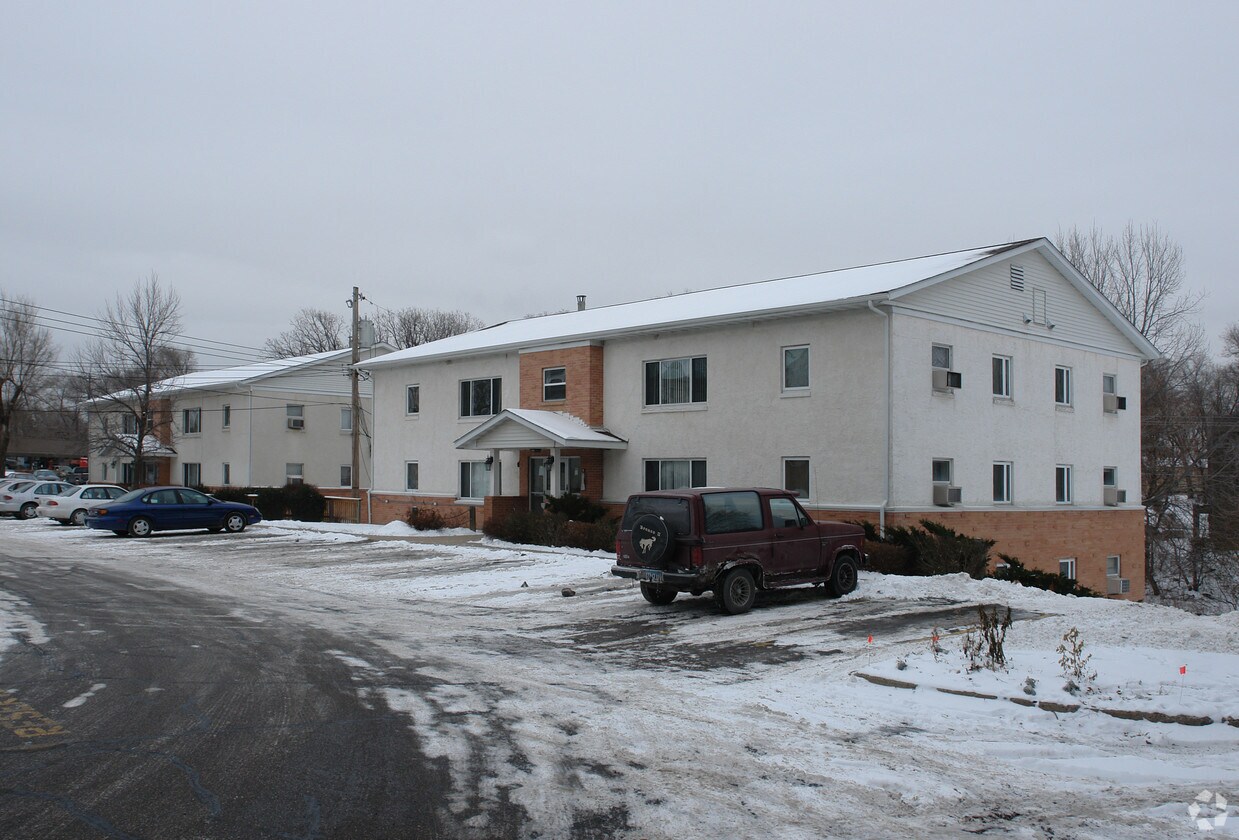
(580, 302)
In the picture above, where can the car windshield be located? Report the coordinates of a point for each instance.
(674, 511)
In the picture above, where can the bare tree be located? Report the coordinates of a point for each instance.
(310, 331)
(411, 326)
(26, 354)
(123, 368)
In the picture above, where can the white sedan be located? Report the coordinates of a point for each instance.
(23, 500)
(70, 508)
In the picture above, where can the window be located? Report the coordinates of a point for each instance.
(1002, 482)
(675, 381)
(129, 424)
(227, 474)
(191, 475)
(795, 368)
(554, 384)
(784, 513)
(410, 475)
(294, 473)
(346, 419)
(226, 415)
(191, 421)
(412, 399)
(727, 513)
(1109, 477)
(940, 356)
(474, 479)
(1067, 568)
(674, 475)
(1002, 377)
(1062, 385)
(796, 476)
(295, 415)
(346, 475)
(1114, 566)
(1109, 383)
(480, 398)
(1062, 484)
(942, 471)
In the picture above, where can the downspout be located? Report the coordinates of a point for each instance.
(249, 458)
(886, 467)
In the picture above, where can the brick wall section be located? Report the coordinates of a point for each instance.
(1038, 539)
(394, 507)
(583, 370)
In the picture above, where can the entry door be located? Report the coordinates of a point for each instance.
(797, 549)
(571, 479)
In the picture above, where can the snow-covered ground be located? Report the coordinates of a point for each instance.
(600, 713)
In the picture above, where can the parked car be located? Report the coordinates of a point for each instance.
(47, 475)
(140, 513)
(734, 542)
(70, 507)
(16, 475)
(78, 475)
(23, 500)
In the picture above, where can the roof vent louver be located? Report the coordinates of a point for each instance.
(1017, 277)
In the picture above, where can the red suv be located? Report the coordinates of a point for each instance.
(733, 541)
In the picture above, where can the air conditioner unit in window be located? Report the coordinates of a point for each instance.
(297, 423)
(945, 380)
(1110, 495)
(1113, 403)
(1118, 586)
(945, 495)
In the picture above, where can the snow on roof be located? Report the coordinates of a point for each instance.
(246, 373)
(559, 427)
(127, 444)
(765, 298)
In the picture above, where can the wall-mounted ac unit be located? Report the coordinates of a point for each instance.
(1118, 586)
(297, 423)
(1113, 496)
(945, 380)
(1113, 403)
(945, 495)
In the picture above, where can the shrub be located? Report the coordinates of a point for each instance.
(293, 501)
(890, 559)
(939, 550)
(1074, 662)
(304, 502)
(425, 519)
(983, 646)
(575, 507)
(1017, 572)
(552, 529)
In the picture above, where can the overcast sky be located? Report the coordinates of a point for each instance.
(502, 158)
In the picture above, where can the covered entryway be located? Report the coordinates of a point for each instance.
(560, 452)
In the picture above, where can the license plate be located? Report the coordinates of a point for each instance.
(650, 575)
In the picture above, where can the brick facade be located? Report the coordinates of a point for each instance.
(583, 371)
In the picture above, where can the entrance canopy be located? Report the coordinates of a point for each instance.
(526, 428)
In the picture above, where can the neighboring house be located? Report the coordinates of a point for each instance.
(993, 390)
(259, 425)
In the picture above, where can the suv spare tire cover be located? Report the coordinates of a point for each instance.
(650, 538)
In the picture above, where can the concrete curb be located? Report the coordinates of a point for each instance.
(1057, 708)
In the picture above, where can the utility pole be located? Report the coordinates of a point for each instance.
(356, 403)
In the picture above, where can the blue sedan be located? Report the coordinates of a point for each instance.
(140, 513)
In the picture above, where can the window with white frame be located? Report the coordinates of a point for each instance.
(412, 399)
(940, 356)
(1067, 568)
(191, 421)
(294, 415)
(1109, 477)
(1109, 384)
(1002, 482)
(554, 384)
(410, 475)
(474, 480)
(227, 473)
(129, 424)
(346, 419)
(1062, 385)
(1002, 377)
(675, 474)
(942, 470)
(675, 381)
(796, 476)
(226, 417)
(1062, 484)
(480, 398)
(796, 368)
(294, 473)
(191, 475)
(1114, 566)
(346, 475)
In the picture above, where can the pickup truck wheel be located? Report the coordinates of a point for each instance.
(658, 595)
(736, 592)
(842, 577)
